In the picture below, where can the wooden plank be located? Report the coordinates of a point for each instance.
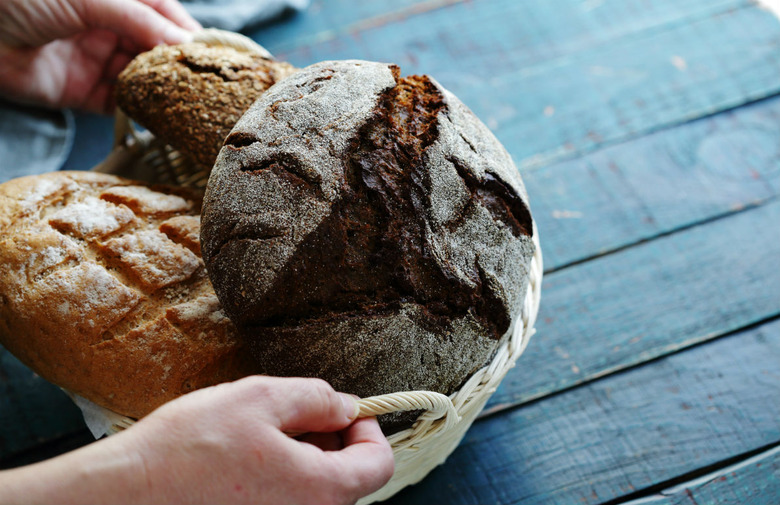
(655, 184)
(755, 480)
(326, 19)
(623, 433)
(553, 27)
(621, 310)
(545, 109)
(31, 409)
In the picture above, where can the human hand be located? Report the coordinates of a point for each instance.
(67, 53)
(231, 443)
(225, 444)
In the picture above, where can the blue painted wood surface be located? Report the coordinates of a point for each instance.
(660, 235)
(624, 309)
(621, 434)
(544, 107)
(528, 32)
(652, 185)
(754, 480)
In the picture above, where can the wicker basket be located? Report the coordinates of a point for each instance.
(438, 431)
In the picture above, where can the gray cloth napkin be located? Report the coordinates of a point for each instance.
(235, 15)
(34, 140)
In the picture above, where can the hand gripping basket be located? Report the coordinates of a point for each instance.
(437, 432)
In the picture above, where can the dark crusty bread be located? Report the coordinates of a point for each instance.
(103, 292)
(367, 229)
(191, 95)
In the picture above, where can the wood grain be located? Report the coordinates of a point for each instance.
(325, 20)
(546, 105)
(656, 184)
(659, 297)
(623, 433)
(755, 480)
(546, 29)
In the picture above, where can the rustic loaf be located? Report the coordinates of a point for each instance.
(191, 95)
(367, 229)
(103, 291)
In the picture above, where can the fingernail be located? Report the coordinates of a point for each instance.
(350, 406)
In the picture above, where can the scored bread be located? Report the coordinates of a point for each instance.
(367, 229)
(191, 95)
(103, 291)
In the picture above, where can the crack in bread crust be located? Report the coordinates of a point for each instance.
(372, 251)
(401, 266)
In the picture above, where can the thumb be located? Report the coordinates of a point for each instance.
(310, 405)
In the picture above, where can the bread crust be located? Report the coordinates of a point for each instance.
(103, 291)
(191, 95)
(367, 229)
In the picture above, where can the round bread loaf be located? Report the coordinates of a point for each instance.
(191, 95)
(367, 229)
(103, 292)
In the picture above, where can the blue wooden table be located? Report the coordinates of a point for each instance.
(648, 135)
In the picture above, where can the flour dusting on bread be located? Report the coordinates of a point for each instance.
(103, 292)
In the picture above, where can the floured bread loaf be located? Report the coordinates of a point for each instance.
(191, 95)
(367, 229)
(103, 291)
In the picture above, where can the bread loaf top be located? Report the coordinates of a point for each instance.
(368, 229)
(103, 291)
(191, 95)
(346, 179)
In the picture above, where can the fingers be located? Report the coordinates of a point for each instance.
(367, 459)
(145, 22)
(307, 405)
(133, 19)
(174, 11)
(361, 466)
(97, 48)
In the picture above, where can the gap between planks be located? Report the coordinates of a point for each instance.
(427, 44)
(497, 409)
(711, 473)
(667, 233)
(703, 409)
(698, 314)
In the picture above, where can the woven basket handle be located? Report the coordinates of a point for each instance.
(436, 405)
